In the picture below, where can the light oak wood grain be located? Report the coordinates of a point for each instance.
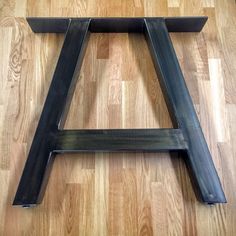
(117, 194)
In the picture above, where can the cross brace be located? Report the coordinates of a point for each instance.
(51, 139)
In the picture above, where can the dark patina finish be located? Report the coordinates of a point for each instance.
(186, 138)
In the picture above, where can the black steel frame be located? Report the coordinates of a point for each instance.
(51, 139)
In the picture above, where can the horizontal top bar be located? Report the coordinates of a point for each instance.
(116, 24)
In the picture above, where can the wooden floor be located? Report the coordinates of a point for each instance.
(117, 194)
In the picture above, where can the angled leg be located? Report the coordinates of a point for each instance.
(37, 167)
(179, 101)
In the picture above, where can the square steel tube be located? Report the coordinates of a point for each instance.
(50, 138)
